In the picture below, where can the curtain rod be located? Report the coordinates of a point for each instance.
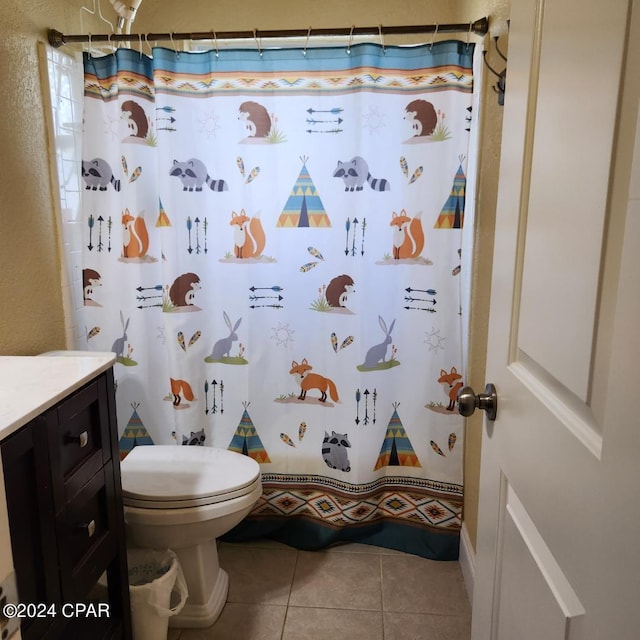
(479, 27)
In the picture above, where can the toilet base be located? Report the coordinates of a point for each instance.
(202, 615)
(207, 583)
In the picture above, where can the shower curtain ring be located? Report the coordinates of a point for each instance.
(433, 37)
(306, 44)
(89, 46)
(384, 49)
(173, 45)
(255, 37)
(353, 26)
(146, 39)
(469, 33)
(140, 44)
(215, 42)
(109, 40)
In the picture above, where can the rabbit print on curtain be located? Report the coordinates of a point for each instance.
(272, 250)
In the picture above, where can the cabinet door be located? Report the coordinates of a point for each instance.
(66, 522)
(31, 520)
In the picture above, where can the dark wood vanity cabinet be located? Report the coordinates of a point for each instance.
(62, 479)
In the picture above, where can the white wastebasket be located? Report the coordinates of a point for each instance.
(157, 591)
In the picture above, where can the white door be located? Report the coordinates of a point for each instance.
(558, 549)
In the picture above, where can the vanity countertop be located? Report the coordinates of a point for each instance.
(30, 385)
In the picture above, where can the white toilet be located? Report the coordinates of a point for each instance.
(183, 498)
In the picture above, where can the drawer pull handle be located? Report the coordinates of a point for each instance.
(89, 527)
(82, 439)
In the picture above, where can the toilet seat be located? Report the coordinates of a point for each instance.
(179, 477)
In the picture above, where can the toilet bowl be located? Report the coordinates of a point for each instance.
(183, 498)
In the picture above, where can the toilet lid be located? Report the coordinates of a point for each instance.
(185, 474)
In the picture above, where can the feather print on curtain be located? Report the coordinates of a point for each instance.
(272, 251)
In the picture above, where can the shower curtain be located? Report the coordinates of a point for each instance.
(272, 250)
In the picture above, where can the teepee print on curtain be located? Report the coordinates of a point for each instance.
(452, 214)
(276, 230)
(135, 434)
(304, 207)
(396, 448)
(247, 441)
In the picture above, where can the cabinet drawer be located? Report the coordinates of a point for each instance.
(84, 521)
(87, 534)
(81, 429)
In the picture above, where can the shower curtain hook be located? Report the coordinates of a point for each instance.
(173, 44)
(146, 39)
(353, 26)
(215, 42)
(255, 37)
(109, 40)
(384, 49)
(89, 48)
(469, 33)
(306, 44)
(433, 37)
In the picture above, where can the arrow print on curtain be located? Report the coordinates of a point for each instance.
(253, 297)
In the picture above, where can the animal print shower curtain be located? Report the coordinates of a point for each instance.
(272, 250)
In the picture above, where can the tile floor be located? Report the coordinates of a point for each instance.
(349, 591)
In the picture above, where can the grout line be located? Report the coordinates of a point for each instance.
(293, 576)
(286, 611)
(382, 596)
(327, 608)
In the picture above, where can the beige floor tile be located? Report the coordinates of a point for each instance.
(415, 626)
(337, 580)
(242, 622)
(416, 585)
(304, 623)
(258, 576)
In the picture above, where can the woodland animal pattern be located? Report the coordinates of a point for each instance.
(98, 175)
(256, 118)
(222, 347)
(135, 237)
(408, 235)
(339, 290)
(378, 352)
(452, 383)
(193, 175)
(207, 187)
(248, 236)
(355, 173)
(308, 381)
(334, 451)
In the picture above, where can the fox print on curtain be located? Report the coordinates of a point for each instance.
(272, 249)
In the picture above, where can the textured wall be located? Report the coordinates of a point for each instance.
(486, 197)
(199, 15)
(31, 313)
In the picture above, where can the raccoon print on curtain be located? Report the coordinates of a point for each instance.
(272, 249)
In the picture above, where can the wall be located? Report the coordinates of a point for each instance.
(197, 15)
(31, 302)
(32, 316)
(31, 287)
(486, 198)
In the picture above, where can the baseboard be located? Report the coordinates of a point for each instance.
(467, 561)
